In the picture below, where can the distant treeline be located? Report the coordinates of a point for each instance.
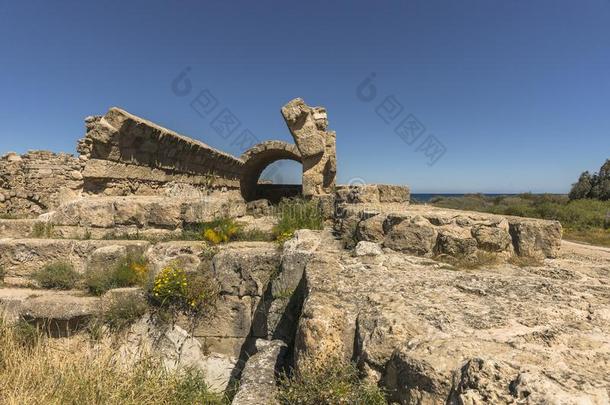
(595, 186)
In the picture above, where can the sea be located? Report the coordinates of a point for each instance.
(425, 197)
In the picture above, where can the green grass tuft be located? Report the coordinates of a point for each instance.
(130, 271)
(328, 383)
(123, 311)
(57, 275)
(43, 230)
(297, 213)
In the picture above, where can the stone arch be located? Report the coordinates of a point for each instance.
(257, 158)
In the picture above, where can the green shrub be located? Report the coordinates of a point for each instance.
(43, 230)
(130, 271)
(124, 310)
(2, 275)
(57, 275)
(220, 231)
(298, 213)
(576, 215)
(253, 235)
(328, 383)
(25, 334)
(192, 293)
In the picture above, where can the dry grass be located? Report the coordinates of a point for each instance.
(479, 260)
(594, 236)
(328, 383)
(526, 261)
(73, 371)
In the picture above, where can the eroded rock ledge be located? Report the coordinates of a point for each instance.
(429, 333)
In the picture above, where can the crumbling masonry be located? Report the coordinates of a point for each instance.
(122, 154)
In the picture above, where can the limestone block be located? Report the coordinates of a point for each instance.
(416, 236)
(371, 229)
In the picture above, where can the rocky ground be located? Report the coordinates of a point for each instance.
(375, 293)
(431, 333)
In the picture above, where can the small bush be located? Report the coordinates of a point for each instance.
(220, 231)
(193, 293)
(2, 275)
(170, 286)
(253, 235)
(328, 383)
(124, 310)
(130, 271)
(284, 237)
(25, 334)
(43, 230)
(58, 275)
(298, 213)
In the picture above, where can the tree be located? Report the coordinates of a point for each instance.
(582, 188)
(604, 181)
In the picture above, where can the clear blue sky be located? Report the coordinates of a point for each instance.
(517, 91)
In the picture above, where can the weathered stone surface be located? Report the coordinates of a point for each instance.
(147, 211)
(232, 318)
(259, 208)
(147, 156)
(16, 228)
(373, 193)
(433, 334)
(371, 229)
(178, 350)
(535, 237)
(191, 256)
(317, 146)
(423, 230)
(37, 181)
(364, 248)
(295, 255)
(258, 382)
(246, 268)
(21, 257)
(455, 241)
(60, 314)
(416, 236)
(493, 238)
(122, 179)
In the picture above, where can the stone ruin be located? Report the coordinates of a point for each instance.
(386, 302)
(134, 176)
(122, 154)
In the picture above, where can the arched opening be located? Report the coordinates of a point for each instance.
(282, 178)
(263, 156)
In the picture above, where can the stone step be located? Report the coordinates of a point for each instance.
(160, 212)
(58, 313)
(17, 228)
(20, 258)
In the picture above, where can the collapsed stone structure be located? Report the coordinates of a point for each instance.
(122, 155)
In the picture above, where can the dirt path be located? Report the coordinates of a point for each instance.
(584, 249)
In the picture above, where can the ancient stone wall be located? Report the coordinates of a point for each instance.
(38, 181)
(128, 155)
